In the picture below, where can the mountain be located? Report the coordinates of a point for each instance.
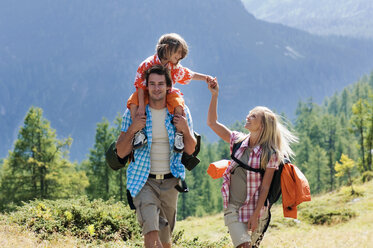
(324, 17)
(77, 60)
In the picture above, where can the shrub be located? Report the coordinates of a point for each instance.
(97, 219)
(367, 176)
(179, 241)
(327, 216)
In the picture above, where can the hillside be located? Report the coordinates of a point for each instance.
(326, 17)
(350, 225)
(77, 61)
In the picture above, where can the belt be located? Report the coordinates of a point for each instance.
(165, 176)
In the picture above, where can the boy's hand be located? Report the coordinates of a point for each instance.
(209, 79)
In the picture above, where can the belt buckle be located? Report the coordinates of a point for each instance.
(159, 177)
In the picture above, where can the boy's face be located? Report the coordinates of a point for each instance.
(157, 87)
(176, 56)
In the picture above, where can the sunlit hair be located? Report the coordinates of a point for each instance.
(169, 43)
(275, 137)
(160, 70)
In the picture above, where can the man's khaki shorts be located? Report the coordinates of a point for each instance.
(239, 231)
(156, 206)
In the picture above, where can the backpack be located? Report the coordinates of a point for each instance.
(274, 192)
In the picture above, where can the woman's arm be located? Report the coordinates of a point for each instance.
(263, 192)
(212, 115)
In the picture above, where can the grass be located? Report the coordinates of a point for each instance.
(348, 223)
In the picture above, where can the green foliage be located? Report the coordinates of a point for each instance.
(367, 176)
(103, 181)
(38, 166)
(342, 125)
(317, 169)
(97, 219)
(328, 216)
(179, 240)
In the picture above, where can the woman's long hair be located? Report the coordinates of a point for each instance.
(275, 137)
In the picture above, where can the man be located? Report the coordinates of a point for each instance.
(156, 168)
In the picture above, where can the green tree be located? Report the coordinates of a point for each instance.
(329, 129)
(317, 169)
(99, 174)
(345, 168)
(360, 123)
(38, 166)
(103, 181)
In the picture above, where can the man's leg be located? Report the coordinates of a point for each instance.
(151, 240)
(168, 198)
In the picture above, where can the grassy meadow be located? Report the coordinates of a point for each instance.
(335, 219)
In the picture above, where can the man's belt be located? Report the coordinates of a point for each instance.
(165, 176)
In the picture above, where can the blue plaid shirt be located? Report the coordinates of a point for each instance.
(138, 171)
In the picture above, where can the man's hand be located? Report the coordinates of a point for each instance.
(138, 123)
(181, 123)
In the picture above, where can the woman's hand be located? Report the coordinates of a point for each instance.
(253, 223)
(214, 87)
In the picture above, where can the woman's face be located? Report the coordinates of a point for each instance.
(254, 121)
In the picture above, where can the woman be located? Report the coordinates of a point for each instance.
(245, 192)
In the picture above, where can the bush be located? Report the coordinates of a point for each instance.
(82, 218)
(179, 241)
(367, 176)
(328, 216)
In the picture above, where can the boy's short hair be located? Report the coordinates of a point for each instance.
(169, 43)
(160, 70)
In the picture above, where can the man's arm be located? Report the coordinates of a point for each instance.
(124, 142)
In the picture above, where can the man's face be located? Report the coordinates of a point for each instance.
(157, 87)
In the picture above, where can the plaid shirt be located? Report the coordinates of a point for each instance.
(138, 171)
(179, 74)
(254, 179)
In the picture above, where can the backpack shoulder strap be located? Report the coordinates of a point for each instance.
(240, 163)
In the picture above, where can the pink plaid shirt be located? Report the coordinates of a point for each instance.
(254, 179)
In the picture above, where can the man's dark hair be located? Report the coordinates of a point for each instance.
(160, 70)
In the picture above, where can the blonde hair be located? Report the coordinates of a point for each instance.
(169, 43)
(275, 137)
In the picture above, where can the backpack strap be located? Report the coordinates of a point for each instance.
(240, 163)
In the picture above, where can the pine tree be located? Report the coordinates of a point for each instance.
(317, 170)
(359, 123)
(38, 166)
(100, 176)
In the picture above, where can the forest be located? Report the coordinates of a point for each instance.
(335, 148)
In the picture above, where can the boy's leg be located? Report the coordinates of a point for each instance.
(139, 139)
(179, 138)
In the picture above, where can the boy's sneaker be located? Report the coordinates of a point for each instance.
(139, 140)
(179, 142)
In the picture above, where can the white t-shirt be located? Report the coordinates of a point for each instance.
(160, 148)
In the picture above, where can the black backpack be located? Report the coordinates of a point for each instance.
(274, 192)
